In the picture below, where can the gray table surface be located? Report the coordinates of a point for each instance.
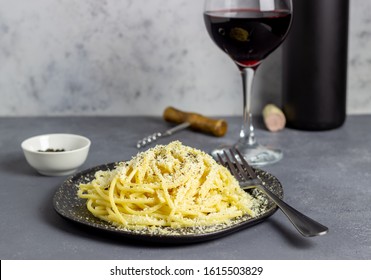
(324, 174)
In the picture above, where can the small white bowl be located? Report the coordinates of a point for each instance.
(56, 163)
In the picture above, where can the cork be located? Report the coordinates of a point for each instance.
(273, 117)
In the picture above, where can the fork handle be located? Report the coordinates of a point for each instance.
(305, 225)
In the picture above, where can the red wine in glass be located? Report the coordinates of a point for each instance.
(248, 31)
(247, 36)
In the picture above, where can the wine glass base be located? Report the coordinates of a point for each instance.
(256, 155)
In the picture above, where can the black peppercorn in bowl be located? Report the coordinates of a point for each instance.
(57, 154)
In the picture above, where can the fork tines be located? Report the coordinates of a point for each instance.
(246, 165)
(242, 171)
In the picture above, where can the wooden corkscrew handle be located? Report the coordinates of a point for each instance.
(198, 122)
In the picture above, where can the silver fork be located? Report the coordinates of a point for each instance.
(248, 179)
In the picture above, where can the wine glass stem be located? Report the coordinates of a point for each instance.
(247, 134)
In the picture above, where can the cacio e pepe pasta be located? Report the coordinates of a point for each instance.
(167, 186)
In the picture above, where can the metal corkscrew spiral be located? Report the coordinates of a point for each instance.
(155, 136)
(148, 140)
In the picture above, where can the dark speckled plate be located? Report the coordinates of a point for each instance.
(70, 206)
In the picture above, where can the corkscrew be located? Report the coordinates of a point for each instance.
(184, 120)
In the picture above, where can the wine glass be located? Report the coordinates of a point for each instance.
(248, 31)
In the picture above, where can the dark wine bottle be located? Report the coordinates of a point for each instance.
(314, 76)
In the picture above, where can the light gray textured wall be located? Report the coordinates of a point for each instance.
(126, 57)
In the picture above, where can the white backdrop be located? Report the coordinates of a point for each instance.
(126, 57)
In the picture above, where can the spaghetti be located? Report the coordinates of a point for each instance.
(167, 186)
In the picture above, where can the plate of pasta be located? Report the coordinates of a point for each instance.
(169, 194)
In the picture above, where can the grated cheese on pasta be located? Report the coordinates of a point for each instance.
(167, 186)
